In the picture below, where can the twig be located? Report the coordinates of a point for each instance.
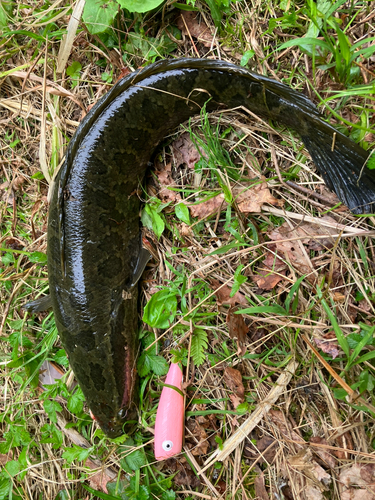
(254, 419)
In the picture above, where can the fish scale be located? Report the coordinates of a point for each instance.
(93, 227)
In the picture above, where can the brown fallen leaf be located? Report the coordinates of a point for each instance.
(357, 482)
(271, 272)
(233, 379)
(185, 151)
(189, 24)
(235, 400)
(185, 476)
(7, 193)
(259, 485)
(123, 72)
(223, 294)
(164, 174)
(303, 462)
(208, 207)
(328, 344)
(200, 445)
(313, 493)
(253, 197)
(328, 460)
(236, 325)
(5, 458)
(290, 250)
(265, 447)
(100, 479)
(285, 428)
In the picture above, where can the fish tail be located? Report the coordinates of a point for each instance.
(342, 164)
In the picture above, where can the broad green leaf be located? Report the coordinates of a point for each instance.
(3, 17)
(76, 453)
(239, 280)
(140, 5)
(242, 408)
(12, 467)
(158, 365)
(246, 57)
(75, 401)
(160, 310)
(371, 162)
(51, 407)
(152, 220)
(182, 212)
(38, 258)
(143, 364)
(5, 484)
(137, 459)
(168, 495)
(98, 15)
(151, 362)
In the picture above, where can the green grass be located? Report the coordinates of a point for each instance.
(49, 445)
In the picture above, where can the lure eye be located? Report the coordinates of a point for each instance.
(167, 445)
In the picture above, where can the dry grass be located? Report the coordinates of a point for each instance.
(307, 441)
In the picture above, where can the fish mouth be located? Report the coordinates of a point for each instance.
(114, 427)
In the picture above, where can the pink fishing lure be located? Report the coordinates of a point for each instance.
(169, 424)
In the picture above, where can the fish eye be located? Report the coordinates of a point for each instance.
(167, 445)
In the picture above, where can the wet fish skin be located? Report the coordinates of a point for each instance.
(93, 227)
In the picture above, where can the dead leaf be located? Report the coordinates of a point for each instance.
(357, 482)
(100, 479)
(6, 193)
(221, 487)
(123, 72)
(207, 208)
(185, 476)
(5, 458)
(14, 244)
(285, 428)
(292, 250)
(236, 325)
(303, 462)
(344, 441)
(185, 151)
(189, 24)
(313, 493)
(200, 445)
(264, 443)
(18, 182)
(259, 485)
(223, 295)
(328, 344)
(164, 174)
(271, 272)
(49, 373)
(235, 400)
(254, 196)
(324, 454)
(233, 379)
(185, 230)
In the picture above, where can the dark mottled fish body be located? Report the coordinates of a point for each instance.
(93, 228)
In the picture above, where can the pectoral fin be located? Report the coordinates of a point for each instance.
(143, 259)
(38, 305)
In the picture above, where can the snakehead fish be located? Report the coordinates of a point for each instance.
(94, 245)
